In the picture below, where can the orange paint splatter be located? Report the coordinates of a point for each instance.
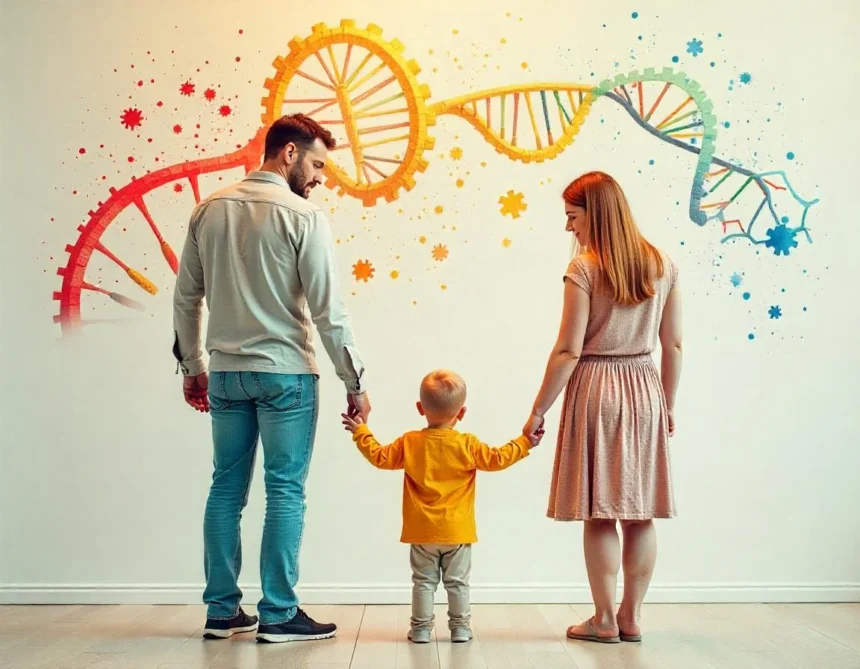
(394, 274)
(506, 242)
(363, 270)
(440, 252)
(439, 209)
(422, 239)
(456, 153)
(524, 65)
(460, 183)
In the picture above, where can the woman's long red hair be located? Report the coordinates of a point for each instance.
(628, 262)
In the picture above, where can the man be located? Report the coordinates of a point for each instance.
(260, 253)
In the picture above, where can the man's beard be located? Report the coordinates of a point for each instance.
(298, 181)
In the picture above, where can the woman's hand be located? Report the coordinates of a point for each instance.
(671, 415)
(533, 429)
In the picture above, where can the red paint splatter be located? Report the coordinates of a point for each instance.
(149, 140)
(131, 159)
(187, 89)
(74, 192)
(177, 128)
(241, 31)
(177, 188)
(140, 83)
(152, 81)
(225, 110)
(132, 118)
(198, 126)
(209, 94)
(238, 59)
(101, 146)
(82, 150)
(159, 104)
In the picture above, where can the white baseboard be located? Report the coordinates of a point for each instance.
(482, 593)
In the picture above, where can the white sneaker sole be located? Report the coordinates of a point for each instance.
(226, 634)
(285, 638)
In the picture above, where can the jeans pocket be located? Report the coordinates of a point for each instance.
(278, 392)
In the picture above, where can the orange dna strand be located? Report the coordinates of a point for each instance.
(359, 85)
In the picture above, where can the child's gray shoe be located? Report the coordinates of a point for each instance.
(461, 635)
(419, 635)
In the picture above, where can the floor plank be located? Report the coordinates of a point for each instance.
(724, 636)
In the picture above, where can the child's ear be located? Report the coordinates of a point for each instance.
(461, 413)
(420, 408)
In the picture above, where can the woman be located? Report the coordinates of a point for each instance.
(612, 457)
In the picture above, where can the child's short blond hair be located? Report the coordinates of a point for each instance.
(443, 393)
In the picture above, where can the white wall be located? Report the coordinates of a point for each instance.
(104, 471)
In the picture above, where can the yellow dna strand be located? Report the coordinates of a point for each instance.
(360, 85)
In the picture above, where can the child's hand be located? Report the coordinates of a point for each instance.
(351, 423)
(536, 436)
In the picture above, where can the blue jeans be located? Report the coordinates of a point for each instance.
(282, 410)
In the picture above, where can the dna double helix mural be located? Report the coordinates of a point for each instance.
(361, 86)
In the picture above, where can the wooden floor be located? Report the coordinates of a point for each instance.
(798, 636)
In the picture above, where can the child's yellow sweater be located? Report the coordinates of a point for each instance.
(439, 466)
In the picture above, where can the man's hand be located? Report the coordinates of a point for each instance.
(358, 405)
(351, 423)
(196, 390)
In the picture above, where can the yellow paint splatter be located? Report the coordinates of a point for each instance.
(430, 51)
(440, 252)
(455, 31)
(394, 274)
(524, 65)
(363, 270)
(512, 204)
(504, 41)
(456, 153)
(422, 239)
(460, 183)
(506, 243)
(444, 287)
(483, 164)
(439, 209)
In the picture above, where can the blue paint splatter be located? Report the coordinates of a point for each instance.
(635, 15)
(784, 219)
(746, 77)
(750, 336)
(774, 312)
(790, 155)
(726, 124)
(713, 64)
(747, 296)
(640, 38)
(694, 47)
(781, 239)
(736, 279)
(804, 308)
(719, 34)
(675, 59)
(651, 162)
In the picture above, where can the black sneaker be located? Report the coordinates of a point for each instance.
(301, 628)
(224, 629)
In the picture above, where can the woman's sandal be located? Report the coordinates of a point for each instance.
(631, 638)
(592, 634)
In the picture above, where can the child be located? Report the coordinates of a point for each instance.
(439, 466)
